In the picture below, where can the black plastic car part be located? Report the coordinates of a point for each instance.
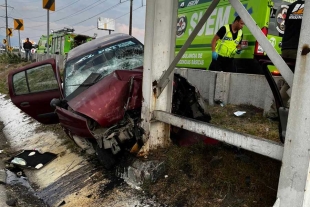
(281, 109)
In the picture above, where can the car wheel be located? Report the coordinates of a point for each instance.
(105, 157)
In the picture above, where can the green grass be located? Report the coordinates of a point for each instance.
(253, 122)
(8, 62)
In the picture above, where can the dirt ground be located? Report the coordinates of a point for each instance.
(90, 185)
(17, 194)
(220, 175)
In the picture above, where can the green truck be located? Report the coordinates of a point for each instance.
(62, 41)
(268, 14)
(41, 49)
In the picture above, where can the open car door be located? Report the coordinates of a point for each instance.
(33, 87)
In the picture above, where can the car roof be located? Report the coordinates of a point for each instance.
(96, 43)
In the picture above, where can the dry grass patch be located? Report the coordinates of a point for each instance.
(5, 68)
(220, 175)
(253, 122)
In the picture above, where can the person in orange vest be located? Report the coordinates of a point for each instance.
(27, 47)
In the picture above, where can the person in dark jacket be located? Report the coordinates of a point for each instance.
(27, 47)
(290, 38)
(289, 47)
(291, 34)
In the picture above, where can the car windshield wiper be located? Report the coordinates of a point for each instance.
(90, 80)
(88, 84)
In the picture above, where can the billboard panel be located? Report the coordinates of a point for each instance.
(106, 24)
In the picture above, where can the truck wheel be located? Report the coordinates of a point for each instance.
(105, 157)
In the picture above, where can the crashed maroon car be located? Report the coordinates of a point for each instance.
(98, 98)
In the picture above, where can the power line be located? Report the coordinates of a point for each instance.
(99, 13)
(62, 8)
(114, 18)
(85, 9)
(73, 14)
(26, 2)
(76, 13)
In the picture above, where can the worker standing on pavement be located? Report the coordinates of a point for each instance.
(225, 44)
(27, 47)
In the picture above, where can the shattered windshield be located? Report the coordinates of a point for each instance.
(125, 55)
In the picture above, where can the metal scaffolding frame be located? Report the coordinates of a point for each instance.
(159, 64)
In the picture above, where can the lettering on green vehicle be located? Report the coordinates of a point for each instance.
(192, 55)
(218, 18)
(192, 59)
(188, 3)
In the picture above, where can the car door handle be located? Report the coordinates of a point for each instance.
(24, 104)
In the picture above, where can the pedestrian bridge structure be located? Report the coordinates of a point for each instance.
(159, 64)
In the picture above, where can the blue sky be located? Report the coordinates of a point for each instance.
(81, 15)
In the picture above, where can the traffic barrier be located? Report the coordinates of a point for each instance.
(231, 88)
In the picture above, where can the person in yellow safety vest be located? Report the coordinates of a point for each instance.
(225, 44)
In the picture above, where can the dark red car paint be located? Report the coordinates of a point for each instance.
(105, 101)
(36, 105)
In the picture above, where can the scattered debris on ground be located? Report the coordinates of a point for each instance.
(32, 159)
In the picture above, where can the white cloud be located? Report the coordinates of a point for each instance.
(136, 32)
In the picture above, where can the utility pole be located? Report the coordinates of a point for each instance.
(48, 33)
(130, 18)
(6, 28)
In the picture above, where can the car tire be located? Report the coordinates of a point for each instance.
(105, 157)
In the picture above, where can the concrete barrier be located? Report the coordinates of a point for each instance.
(231, 88)
(60, 59)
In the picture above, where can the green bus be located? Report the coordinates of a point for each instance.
(269, 15)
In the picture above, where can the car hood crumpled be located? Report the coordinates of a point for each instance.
(105, 101)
